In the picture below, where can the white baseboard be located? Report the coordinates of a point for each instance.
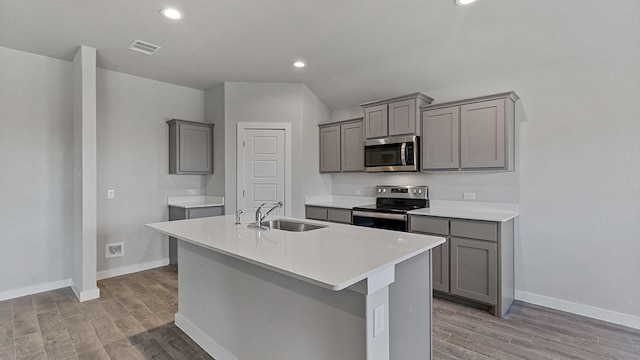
(34, 289)
(85, 295)
(205, 342)
(580, 309)
(131, 269)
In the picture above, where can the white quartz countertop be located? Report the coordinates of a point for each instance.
(333, 257)
(339, 201)
(195, 201)
(500, 212)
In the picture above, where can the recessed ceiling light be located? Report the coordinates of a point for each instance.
(298, 64)
(463, 2)
(171, 13)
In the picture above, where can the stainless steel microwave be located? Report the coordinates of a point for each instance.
(399, 153)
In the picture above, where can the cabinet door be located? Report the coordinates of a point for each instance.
(402, 117)
(440, 139)
(352, 147)
(482, 135)
(316, 213)
(440, 267)
(195, 149)
(330, 149)
(375, 121)
(339, 215)
(195, 213)
(474, 269)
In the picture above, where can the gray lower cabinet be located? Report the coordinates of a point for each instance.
(341, 146)
(476, 262)
(190, 147)
(181, 213)
(472, 134)
(328, 214)
(474, 267)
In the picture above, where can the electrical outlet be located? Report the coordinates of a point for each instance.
(469, 196)
(192, 192)
(111, 194)
(114, 249)
(357, 192)
(378, 320)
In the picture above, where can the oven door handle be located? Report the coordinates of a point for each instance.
(403, 154)
(378, 215)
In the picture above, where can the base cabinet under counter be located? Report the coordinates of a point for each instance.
(476, 262)
(321, 213)
(183, 213)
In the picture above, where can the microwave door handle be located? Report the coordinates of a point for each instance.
(403, 154)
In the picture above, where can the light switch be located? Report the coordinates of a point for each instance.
(469, 196)
(111, 194)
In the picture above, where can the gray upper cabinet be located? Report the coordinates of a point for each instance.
(190, 147)
(351, 146)
(341, 146)
(440, 139)
(391, 117)
(472, 134)
(376, 121)
(330, 149)
(482, 135)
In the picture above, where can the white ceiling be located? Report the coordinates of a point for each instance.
(357, 50)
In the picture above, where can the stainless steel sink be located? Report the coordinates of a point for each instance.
(291, 225)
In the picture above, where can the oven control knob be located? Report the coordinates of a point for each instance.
(384, 190)
(414, 191)
(379, 190)
(420, 191)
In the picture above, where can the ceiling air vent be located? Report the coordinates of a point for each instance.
(143, 47)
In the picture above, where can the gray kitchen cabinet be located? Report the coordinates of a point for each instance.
(330, 149)
(474, 269)
(190, 147)
(396, 116)
(440, 139)
(328, 214)
(341, 146)
(472, 134)
(440, 254)
(182, 213)
(477, 262)
(351, 146)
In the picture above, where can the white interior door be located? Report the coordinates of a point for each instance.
(263, 162)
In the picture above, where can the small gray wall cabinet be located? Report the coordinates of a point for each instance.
(472, 134)
(396, 116)
(181, 213)
(190, 147)
(341, 146)
(476, 262)
(336, 215)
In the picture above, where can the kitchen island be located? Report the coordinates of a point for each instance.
(338, 292)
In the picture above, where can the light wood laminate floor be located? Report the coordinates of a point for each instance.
(133, 319)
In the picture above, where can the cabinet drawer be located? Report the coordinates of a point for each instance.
(428, 224)
(475, 229)
(204, 212)
(317, 213)
(339, 215)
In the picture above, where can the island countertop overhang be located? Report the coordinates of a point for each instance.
(334, 257)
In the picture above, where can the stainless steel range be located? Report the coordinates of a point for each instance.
(391, 207)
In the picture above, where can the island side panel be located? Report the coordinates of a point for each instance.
(410, 310)
(236, 310)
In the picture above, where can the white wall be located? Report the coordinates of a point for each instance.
(577, 181)
(133, 160)
(36, 150)
(275, 102)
